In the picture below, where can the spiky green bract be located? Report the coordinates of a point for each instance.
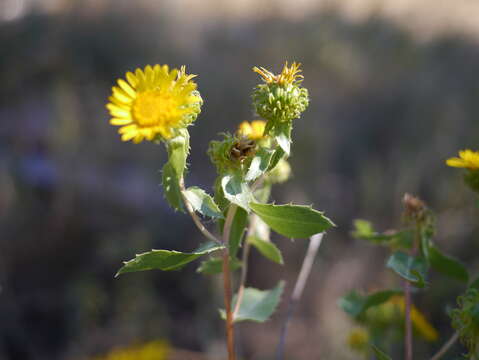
(280, 102)
(465, 319)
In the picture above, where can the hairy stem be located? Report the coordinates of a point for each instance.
(227, 282)
(442, 351)
(314, 243)
(195, 217)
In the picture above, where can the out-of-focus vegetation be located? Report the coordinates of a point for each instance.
(386, 110)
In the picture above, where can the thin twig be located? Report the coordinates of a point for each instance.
(244, 260)
(314, 243)
(407, 313)
(193, 215)
(227, 282)
(442, 351)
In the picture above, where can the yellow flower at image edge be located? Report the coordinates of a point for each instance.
(153, 103)
(253, 130)
(467, 159)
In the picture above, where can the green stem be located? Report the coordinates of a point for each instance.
(227, 282)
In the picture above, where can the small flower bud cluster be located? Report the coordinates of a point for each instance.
(281, 98)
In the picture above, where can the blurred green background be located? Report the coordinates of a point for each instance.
(394, 91)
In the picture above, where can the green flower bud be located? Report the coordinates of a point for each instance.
(281, 98)
(465, 319)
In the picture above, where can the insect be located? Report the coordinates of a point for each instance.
(242, 149)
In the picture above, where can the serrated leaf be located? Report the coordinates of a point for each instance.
(380, 355)
(202, 202)
(267, 249)
(356, 305)
(171, 187)
(236, 190)
(237, 230)
(293, 221)
(412, 269)
(257, 305)
(178, 148)
(214, 266)
(447, 265)
(259, 164)
(475, 284)
(166, 260)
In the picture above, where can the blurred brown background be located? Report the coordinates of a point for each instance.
(394, 91)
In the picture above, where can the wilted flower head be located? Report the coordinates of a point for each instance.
(154, 103)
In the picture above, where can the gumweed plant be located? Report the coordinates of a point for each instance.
(386, 316)
(158, 104)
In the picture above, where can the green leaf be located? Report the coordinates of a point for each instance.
(447, 265)
(356, 305)
(178, 148)
(267, 249)
(380, 355)
(259, 164)
(171, 187)
(293, 221)
(236, 190)
(257, 305)
(214, 266)
(237, 230)
(202, 202)
(413, 269)
(475, 284)
(166, 259)
(282, 134)
(277, 156)
(364, 230)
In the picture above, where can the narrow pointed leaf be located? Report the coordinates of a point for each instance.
(293, 221)
(267, 249)
(447, 265)
(171, 187)
(236, 190)
(413, 269)
(277, 156)
(202, 202)
(166, 259)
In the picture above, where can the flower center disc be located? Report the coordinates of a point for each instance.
(154, 107)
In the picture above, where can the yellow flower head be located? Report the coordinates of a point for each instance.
(253, 130)
(154, 102)
(467, 159)
(289, 75)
